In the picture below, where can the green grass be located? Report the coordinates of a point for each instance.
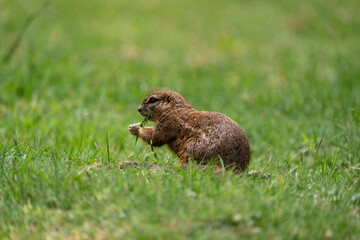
(287, 71)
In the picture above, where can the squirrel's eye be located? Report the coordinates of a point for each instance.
(152, 100)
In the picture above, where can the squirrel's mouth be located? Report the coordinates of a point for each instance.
(144, 112)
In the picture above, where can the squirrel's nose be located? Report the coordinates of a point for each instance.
(139, 109)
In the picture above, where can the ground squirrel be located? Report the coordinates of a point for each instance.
(192, 134)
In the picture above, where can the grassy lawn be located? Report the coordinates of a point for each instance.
(287, 71)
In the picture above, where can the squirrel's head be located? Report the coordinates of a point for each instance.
(161, 102)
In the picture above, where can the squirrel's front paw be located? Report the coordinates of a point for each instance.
(134, 129)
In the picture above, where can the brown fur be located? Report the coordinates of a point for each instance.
(193, 134)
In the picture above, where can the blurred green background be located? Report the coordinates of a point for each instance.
(287, 71)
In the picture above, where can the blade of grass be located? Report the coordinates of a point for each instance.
(222, 165)
(142, 124)
(333, 162)
(107, 147)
